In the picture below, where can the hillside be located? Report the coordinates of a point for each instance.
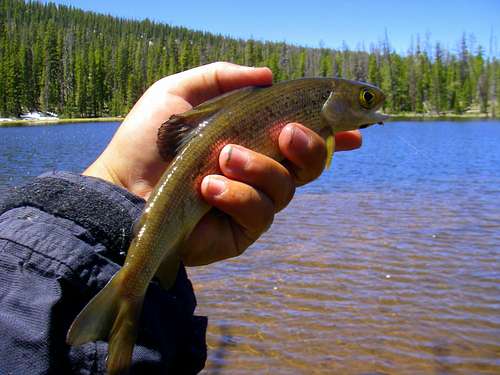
(82, 64)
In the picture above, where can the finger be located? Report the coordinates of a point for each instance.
(346, 141)
(251, 209)
(304, 150)
(259, 171)
(205, 82)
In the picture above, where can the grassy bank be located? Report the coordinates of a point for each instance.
(58, 121)
(394, 117)
(440, 116)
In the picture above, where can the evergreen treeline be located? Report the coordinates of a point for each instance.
(82, 64)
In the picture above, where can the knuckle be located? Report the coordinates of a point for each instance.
(217, 68)
(276, 181)
(315, 173)
(263, 220)
(304, 176)
(318, 147)
(286, 192)
(238, 250)
(267, 218)
(220, 65)
(317, 163)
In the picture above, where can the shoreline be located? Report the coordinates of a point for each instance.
(440, 116)
(393, 117)
(56, 121)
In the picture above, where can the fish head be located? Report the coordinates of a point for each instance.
(353, 105)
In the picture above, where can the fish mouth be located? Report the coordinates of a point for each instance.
(378, 118)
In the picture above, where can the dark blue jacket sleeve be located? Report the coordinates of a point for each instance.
(62, 237)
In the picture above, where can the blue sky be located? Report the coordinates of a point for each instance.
(309, 22)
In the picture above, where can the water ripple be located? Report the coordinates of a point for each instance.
(389, 263)
(394, 270)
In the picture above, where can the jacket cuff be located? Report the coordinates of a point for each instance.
(106, 211)
(75, 230)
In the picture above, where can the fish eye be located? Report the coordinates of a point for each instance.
(366, 98)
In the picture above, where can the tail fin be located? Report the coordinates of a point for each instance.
(109, 316)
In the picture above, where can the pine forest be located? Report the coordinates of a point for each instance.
(82, 64)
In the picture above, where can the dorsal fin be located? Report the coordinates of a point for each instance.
(177, 131)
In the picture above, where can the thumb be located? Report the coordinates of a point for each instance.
(205, 82)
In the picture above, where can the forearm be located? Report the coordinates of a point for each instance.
(62, 237)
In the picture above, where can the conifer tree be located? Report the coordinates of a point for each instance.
(78, 63)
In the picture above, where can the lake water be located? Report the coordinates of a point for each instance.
(389, 263)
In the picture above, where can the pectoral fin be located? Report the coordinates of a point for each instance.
(179, 129)
(330, 149)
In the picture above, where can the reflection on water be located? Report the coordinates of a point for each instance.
(389, 263)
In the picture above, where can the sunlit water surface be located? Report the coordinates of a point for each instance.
(389, 263)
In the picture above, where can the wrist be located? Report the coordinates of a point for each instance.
(102, 170)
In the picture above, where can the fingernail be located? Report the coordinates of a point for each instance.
(214, 186)
(298, 139)
(234, 158)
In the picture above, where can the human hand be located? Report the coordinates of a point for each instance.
(253, 187)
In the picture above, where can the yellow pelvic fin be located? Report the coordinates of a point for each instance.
(330, 149)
